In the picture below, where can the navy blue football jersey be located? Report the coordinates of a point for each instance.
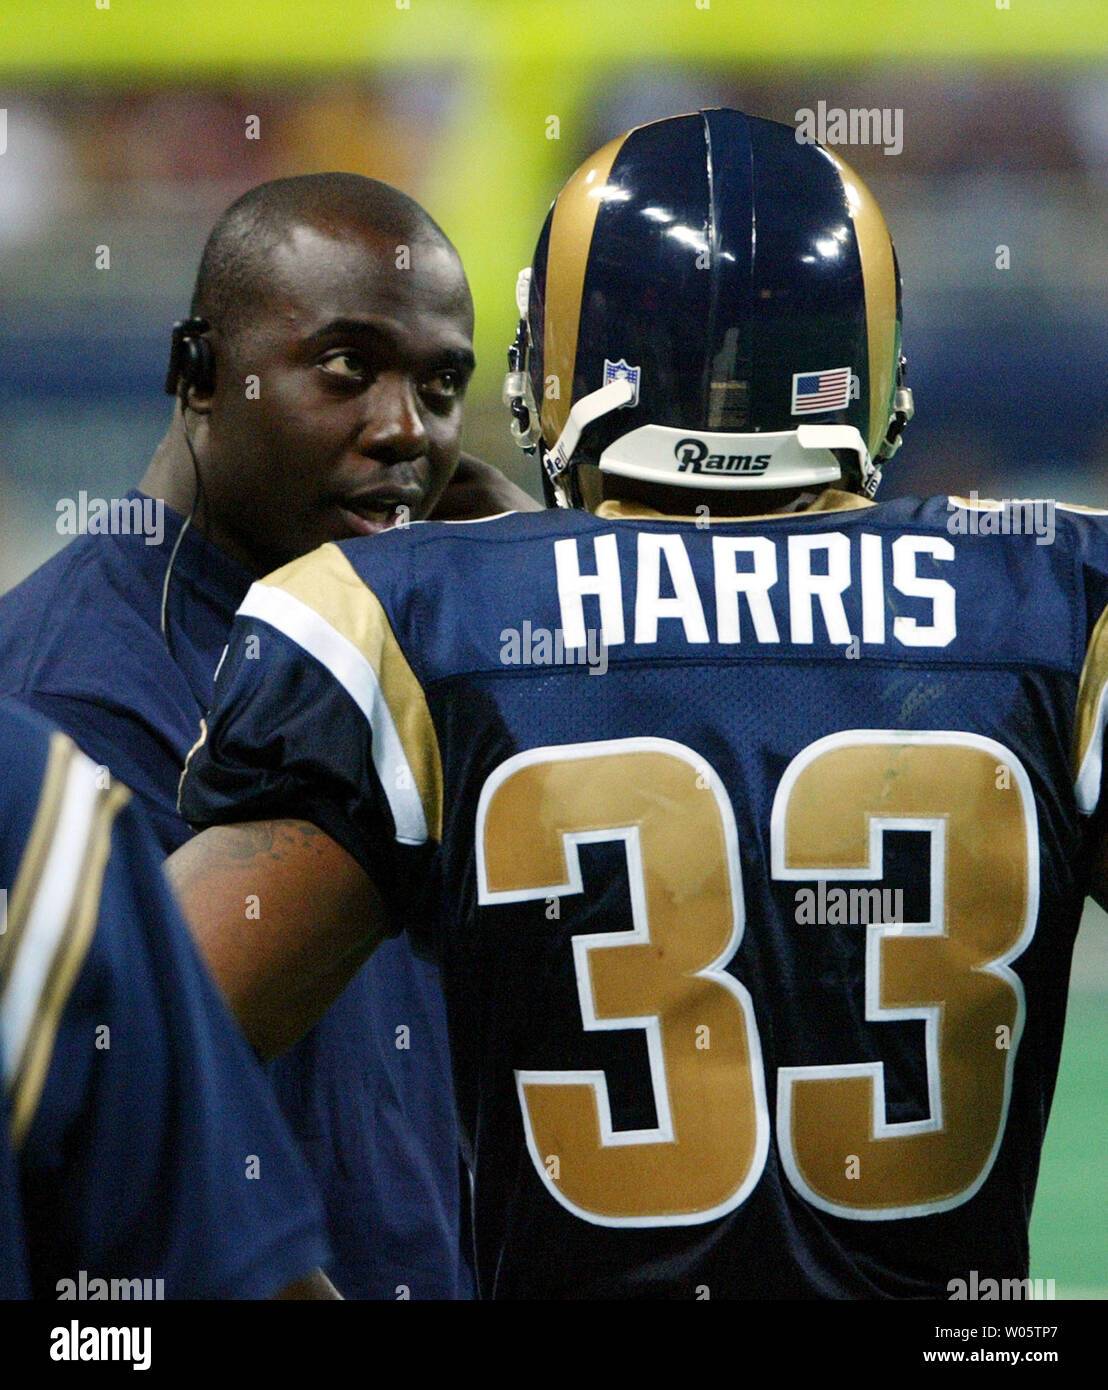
(753, 853)
(367, 1092)
(141, 1141)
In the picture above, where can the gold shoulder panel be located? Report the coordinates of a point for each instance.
(326, 582)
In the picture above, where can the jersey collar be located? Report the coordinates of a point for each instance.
(830, 499)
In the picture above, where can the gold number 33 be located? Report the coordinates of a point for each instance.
(667, 974)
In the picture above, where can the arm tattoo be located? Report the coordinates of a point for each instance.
(271, 838)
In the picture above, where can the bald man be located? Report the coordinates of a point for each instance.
(319, 384)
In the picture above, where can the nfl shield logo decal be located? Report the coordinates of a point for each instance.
(621, 371)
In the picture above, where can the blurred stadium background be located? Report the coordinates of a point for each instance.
(126, 127)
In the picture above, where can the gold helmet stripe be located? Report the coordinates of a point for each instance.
(567, 258)
(875, 248)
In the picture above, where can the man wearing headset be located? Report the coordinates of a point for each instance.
(319, 384)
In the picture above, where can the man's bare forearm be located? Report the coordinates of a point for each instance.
(284, 918)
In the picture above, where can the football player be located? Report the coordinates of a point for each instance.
(139, 1141)
(755, 947)
(320, 382)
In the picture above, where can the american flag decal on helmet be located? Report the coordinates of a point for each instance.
(815, 392)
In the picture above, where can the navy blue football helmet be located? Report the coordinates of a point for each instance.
(711, 304)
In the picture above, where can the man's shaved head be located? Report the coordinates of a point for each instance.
(238, 254)
(341, 333)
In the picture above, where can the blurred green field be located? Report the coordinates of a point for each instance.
(1069, 1226)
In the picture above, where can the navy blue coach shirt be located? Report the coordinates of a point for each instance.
(367, 1093)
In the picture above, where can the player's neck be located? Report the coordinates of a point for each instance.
(674, 501)
(170, 474)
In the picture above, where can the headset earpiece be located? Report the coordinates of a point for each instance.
(191, 361)
(191, 368)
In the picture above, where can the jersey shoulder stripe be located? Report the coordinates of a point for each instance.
(53, 912)
(323, 605)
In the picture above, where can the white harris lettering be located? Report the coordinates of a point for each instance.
(806, 586)
(873, 590)
(650, 606)
(820, 575)
(605, 583)
(942, 629)
(755, 583)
